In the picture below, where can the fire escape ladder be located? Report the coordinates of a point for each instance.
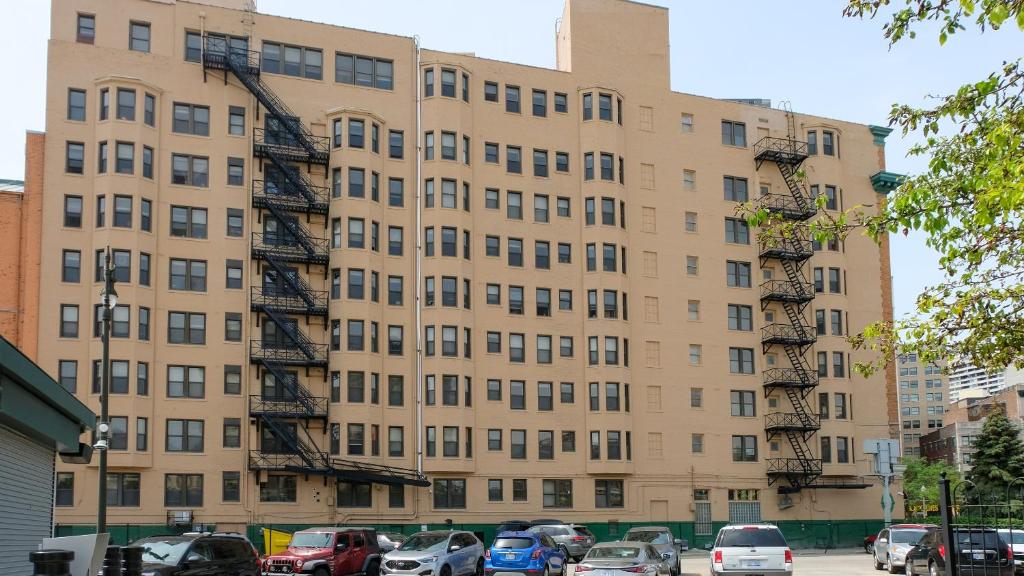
(301, 341)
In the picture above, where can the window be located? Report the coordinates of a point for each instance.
(73, 211)
(139, 37)
(557, 493)
(184, 436)
(540, 163)
(188, 275)
(450, 441)
(191, 119)
(513, 159)
(465, 87)
(742, 403)
(542, 255)
(76, 104)
(86, 31)
(448, 150)
(394, 241)
(741, 360)
(68, 321)
(236, 121)
(543, 349)
(395, 340)
(834, 285)
(512, 99)
(449, 493)
(740, 317)
(744, 448)
(186, 382)
(495, 492)
(827, 143)
(842, 450)
(836, 320)
(123, 489)
(122, 211)
(71, 267)
(75, 158)
(517, 394)
(608, 494)
(737, 231)
(428, 82)
(186, 328)
(838, 365)
(190, 170)
(145, 215)
(540, 103)
(737, 274)
(734, 133)
(396, 144)
(125, 104)
(840, 400)
(607, 166)
(396, 441)
(735, 189)
(448, 83)
(812, 142)
(516, 348)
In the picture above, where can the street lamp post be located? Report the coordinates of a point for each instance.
(108, 300)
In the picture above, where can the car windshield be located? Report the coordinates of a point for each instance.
(907, 536)
(978, 539)
(751, 537)
(424, 542)
(393, 536)
(310, 540)
(167, 551)
(649, 536)
(1013, 536)
(612, 553)
(506, 543)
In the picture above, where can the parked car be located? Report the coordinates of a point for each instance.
(574, 543)
(527, 553)
(663, 541)
(869, 543)
(513, 526)
(980, 552)
(743, 549)
(199, 553)
(892, 544)
(623, 559)
(440, 552)
(1015, 538)
(388, 541)
(329, 551)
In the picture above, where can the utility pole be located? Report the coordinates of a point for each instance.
(108, 300)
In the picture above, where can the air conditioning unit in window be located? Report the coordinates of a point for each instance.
(179, 517)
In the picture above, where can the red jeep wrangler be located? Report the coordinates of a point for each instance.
(328, 552)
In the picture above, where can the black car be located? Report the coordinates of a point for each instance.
(980, 552)
(198, 554)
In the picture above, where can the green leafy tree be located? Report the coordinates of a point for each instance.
(921, 482)
(969, 202)
(998, 457)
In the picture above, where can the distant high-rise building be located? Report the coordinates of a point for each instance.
(967, 377)
(924, 397)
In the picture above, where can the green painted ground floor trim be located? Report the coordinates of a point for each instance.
(801, 534)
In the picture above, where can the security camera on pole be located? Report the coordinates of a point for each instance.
(108, 300)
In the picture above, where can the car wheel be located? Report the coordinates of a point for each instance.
(890, 567)
(878, 565)
(321, 571)
(933, 570)
(373, 568)
(480, 567)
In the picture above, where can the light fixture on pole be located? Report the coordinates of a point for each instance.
(108, 300)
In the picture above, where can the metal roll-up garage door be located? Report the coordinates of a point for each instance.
(26, 500)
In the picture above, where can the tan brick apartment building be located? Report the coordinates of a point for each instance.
(924, 400)
(525, 287)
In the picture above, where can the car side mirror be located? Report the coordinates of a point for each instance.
(666, 555)
(454, 548)
(678, 541)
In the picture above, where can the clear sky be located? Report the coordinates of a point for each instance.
(803, 51)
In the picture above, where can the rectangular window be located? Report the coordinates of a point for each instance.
(742, 403)
(828, 143)
(734, 133)
(448, 82)
(86, 30)
(740, 317)
(139, 36)
(737, 274)
(123, 489)
(191, 119)
(190, 170)
(184, 436)
(449, 493)
(512, 99)
(741, 360)
(75, 158)
(514, 159)
(744, 448)
(737, 231)
(186, 328)
(540, 103)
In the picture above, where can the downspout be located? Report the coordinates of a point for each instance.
(419, 267)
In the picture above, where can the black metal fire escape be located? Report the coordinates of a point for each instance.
(791, 249)
(284, 414)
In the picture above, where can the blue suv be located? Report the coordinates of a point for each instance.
(524, 554)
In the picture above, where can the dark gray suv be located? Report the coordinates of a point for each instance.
(663, 541)
(198, 553)
(574, 540)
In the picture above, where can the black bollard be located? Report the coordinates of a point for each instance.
(131, 557)
(112, 562)
(51, 562)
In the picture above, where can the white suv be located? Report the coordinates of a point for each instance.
(744, 549)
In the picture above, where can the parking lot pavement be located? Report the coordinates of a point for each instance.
(810, 563)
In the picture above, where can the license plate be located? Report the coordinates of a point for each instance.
(510, 556)
(752, 563)
(979, 555)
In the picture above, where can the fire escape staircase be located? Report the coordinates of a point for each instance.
(790, 249)
(286, 140)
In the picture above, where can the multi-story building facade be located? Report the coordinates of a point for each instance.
(924, 400)
(426, 286)
(21, 210)
(966, 380)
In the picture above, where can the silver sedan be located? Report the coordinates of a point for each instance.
(623, 559)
